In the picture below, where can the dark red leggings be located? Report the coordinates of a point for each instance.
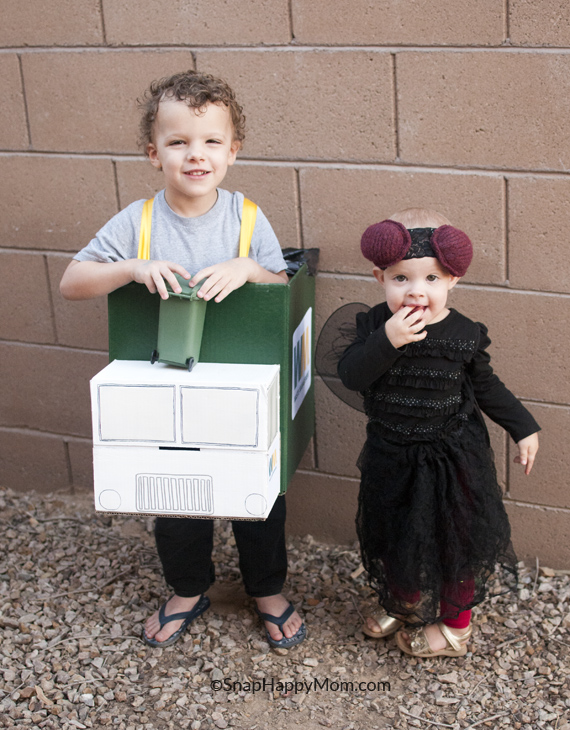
(457, 594)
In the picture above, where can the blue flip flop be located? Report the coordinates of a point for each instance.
(283, 643)
(188, 616)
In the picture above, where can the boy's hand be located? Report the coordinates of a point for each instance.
(221, 279)
(527, 452)
(153, 274)
(405, 327)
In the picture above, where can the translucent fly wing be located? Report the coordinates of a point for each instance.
(336, 335)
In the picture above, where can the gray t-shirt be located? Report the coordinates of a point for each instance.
(192, 242)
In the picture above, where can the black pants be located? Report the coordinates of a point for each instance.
(185, 550)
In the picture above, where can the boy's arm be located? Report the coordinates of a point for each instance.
(223, 278)
(89, 279)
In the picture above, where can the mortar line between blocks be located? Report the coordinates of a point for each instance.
(290, 48)
(47, 346)
(103, 27)
(395, 110)
(51, 301)
(291, 18)
(299, 207)
(116, 181)
(537, 505)
(68, 464)
(497, 288)
(507, 447)
(324, 164)
(26, 430)
(25, 100)
(506, 232)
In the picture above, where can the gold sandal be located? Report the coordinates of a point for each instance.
(418, 645)
(388, 626)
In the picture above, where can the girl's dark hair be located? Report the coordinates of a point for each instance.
(197, 90)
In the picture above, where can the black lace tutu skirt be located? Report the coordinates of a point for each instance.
(431, 522)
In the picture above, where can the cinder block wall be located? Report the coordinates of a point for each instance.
(354, 110)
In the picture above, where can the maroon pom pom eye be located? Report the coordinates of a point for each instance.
(385, 243)
(453, 249)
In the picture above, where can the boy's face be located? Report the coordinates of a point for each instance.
(421, 283)
(194, 149)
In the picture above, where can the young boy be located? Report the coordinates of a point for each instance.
(191, 130)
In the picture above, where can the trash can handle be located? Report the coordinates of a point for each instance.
(248, 216)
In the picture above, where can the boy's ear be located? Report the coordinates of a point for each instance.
(378, 275)
(152, 154)
(234, 149)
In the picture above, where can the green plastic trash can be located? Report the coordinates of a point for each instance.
(262, 324)
(180, 326)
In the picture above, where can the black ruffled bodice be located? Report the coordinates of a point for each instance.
(427, 387)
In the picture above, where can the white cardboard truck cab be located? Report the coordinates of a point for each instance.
(204, 443)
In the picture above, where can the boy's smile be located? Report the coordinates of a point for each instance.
(193, 148)
(422, 284)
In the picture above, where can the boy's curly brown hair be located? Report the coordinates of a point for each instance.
(196, 89)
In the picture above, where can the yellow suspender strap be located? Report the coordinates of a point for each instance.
(248, 216)
(144, 235)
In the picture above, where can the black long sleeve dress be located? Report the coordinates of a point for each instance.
(431, 520)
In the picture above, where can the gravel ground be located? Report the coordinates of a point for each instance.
(76, 586)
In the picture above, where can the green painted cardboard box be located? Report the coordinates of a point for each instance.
(258, 323)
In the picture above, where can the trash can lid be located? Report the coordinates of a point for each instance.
(187, 291)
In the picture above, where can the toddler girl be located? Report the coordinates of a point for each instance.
(431, 520)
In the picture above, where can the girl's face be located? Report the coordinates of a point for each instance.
(421, 283)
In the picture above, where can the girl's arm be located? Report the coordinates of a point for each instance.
(495, 399)
(527, 452)
(371, 354)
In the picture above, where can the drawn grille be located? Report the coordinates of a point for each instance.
(163, 493)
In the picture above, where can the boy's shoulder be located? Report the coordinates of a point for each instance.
(229, 199)
(128, 218)
(134, 209)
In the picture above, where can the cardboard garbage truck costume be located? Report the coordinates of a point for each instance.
(169, 442)
(217, 437)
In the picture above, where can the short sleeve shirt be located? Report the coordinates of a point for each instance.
(194, 243)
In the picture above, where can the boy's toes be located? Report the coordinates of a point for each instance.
(274, 632)
(292, 625)
(168, 630)
(152, 626)
(176, 604)
(276, 606)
